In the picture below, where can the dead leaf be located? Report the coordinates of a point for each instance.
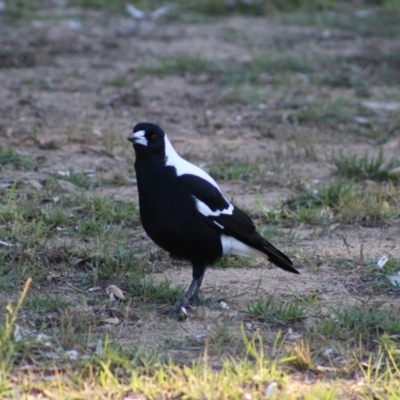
(52, 144)
(53, 276)
(81, 262)
(67, 186)
(376, 365)
(72, 354)
(112, 320)
(3, 243)
(293, 335)
(35, 184)
(115, 293)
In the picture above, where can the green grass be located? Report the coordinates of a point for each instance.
(11, 159)
(301, 354)
(179, 64)
(101, 4)
(233, 261)
(365, 167)
(208, 7)
(330, 111)
(235, 74)
(340, 202)
(219, 7)
(102, 232)
(10, 271)
(81, 180)
(276, 67)
(256, 7)
(392, 266)
(343, 76)
(34, 231)
(46, 304)
(380, 23)
(7, 329)
(114, 261)
(327, 195)
(359, 72)
(242, 93)
(106, 375)
(277, 313)
(80, 215)
(17, 9)
(236, 170)
(120, 82)
(148, 291)
(108, 210)
(366, 322)
(384, 66)
(375, 133)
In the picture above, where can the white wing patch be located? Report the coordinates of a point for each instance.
(231, 245)
(207, 212)
(184, 167)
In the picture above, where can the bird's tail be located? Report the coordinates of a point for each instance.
(274, 255)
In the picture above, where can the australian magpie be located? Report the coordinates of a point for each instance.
(183, 210)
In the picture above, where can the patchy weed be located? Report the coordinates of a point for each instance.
(81, 180)
(46, 304)
(276, 312)
(302, 358)
(363, 322)
(179, 65)
(365, 167)
(11, 159)
(341, 202)
(149, 291)
(331, 111)
(236, 170)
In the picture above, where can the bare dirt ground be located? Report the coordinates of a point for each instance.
(70, 94)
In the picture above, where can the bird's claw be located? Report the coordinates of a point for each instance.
(181, 308)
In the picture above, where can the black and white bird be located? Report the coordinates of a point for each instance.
(183, 210)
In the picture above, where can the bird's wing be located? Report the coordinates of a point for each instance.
(229, 220)
(209, 199)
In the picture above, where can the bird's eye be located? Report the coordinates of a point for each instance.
(153, 137)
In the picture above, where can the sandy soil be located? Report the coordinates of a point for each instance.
(59, 105)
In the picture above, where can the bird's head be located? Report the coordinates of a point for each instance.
(147, 138)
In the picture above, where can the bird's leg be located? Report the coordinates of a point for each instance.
(195, 297)
(198, 274)
(192, 294)
(192, 291)
(186, 298)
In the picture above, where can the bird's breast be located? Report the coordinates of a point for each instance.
(164, 205)
(169, 216)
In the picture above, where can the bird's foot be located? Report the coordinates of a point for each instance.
(182, 308)
(195, 299)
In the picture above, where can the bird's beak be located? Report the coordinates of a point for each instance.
(138, 138)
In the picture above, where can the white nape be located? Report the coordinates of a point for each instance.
(184, 167)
